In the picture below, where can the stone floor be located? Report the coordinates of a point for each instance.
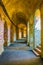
(22, 40)
(19, 57)
(16, 56)
(19, 46)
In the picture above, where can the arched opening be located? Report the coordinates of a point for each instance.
(22, 30)
(19, 19)
(37, 27)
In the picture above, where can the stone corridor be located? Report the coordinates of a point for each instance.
(21, 32)
(19, 54)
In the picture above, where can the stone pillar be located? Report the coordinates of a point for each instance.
(25, 33)
(28, 33)
(12, 33)
(17, 33)
(31, 35)
(1, 36)
(20, 36)
(22, 33)
(42, 31)
(5, 34)
(30, 30)
(8, 35)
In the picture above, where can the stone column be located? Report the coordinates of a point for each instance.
(5, 34)
(12, 33)
(25, 33)
(20, 36)
(1, 36)
(42, 31)
(8, 35)
(17, 33)
(22, 33)
(31, 35)
(30, 32)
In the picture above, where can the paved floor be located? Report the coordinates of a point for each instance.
(17, 44)
(19, 57)
(23, 40)
(9, 56)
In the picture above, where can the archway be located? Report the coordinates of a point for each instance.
(37, 28)
(22, 30)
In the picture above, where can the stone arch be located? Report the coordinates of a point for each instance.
(22, 29)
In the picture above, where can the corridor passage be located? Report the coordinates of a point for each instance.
(21, 32)
(17, 53)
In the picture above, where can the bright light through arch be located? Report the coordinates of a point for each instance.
(37, 23)
(38, 20)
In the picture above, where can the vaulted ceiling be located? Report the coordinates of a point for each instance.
(21, 10)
